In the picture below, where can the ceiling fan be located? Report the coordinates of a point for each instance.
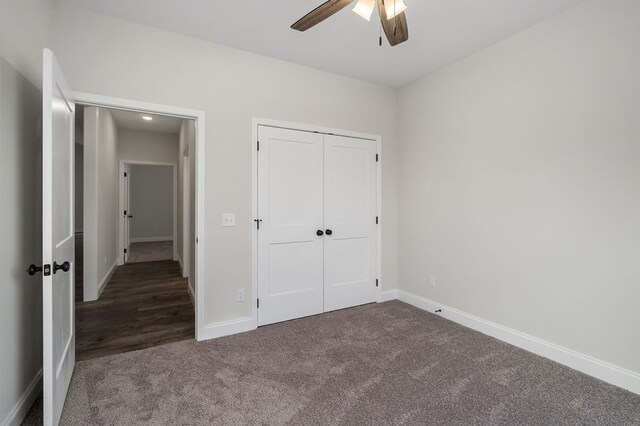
(392, 17)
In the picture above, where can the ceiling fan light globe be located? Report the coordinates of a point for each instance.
(364, 8)
(394, 8)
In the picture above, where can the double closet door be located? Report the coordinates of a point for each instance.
(317, 245)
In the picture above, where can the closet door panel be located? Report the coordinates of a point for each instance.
(350, 215)
(290, 204)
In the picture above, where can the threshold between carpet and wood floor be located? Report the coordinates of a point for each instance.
(387, 363)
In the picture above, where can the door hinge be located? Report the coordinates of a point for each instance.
(257, 221)
(125, 251)
(376, 282)
(258, 146)
(46, 270)
(377, 220)
(125, 174)
(125, 212)
(258, 304)
(377, 158)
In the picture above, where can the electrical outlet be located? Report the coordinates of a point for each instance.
(240, 295)
(432, 280)
(229, 219)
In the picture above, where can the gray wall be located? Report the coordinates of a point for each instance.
(519, 183)
(151, 202)
(101, 202)
(147, 146)
(79, 172)
(231, 86)
(186, 213)
(24, 31)
(21, 235)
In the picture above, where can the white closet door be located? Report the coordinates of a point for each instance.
(350, 219)
(290, 205)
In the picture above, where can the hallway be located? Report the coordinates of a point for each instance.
(144, 304)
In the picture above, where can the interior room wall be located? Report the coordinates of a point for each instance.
(101, 205)
(25, 29)
(79, 188)
(136, 145)
(151, 203)
(133, 61)
(518, 176)
(24, 32)
(21, 236)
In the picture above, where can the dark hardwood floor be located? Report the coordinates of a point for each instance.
(143, 305)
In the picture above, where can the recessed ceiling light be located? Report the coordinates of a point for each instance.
(147, 117)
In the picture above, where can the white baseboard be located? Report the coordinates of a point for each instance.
(150, 239)
(107, 277)
(385, 296)
(226, 328)
(191, 293)
(181, 266)
(22, 406)
(593, 367)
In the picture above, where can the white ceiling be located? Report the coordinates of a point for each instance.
(440, 31)
(130, 120)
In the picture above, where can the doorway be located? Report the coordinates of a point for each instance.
(149, 205)
(60, 314)
(133, 214)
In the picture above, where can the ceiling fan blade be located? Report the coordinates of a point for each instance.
(396, 28)
(320, 13)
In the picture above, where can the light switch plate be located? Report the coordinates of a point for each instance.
(229, 219)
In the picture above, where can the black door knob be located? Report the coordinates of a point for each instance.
(319, 233)
(66, 266)
(33, 269)
(328, 232)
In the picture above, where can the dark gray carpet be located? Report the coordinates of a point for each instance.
(384, 363)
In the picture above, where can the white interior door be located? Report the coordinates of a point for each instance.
(127, 211)
(57, 239)
(350, 183)
(290, 200)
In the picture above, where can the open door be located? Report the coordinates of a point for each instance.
(57, 238)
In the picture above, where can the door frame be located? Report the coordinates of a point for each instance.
(124, 191)
(197, 276)
(174, 194)
(255, 123)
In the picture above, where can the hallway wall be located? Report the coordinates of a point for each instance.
(79, 190)
(147, 146)
(101, 203)
(186, 211)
